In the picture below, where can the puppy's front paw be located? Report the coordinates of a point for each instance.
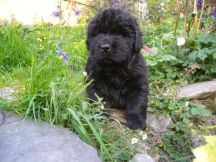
(136, 121)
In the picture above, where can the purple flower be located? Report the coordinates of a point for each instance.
(199, 4)
(206, 7)
(78, 12)
(112, 2)
(214, 12)
(63, 55)
(57, 14)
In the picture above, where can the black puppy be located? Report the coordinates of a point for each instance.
(115, 65)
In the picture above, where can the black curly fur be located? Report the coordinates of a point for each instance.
(115, 65)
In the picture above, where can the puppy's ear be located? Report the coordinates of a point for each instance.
(91, 31)
(87, 43)
(138, 43)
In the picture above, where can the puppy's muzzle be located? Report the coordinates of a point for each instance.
(106, 47)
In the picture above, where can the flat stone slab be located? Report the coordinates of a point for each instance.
(158, 124)
(21, 140)
(152, 121)
(139, 157)
(198, 90)
(200, 93)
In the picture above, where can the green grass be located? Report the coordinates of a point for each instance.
(53, 91)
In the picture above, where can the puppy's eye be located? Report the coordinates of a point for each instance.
(125, 35)
(120, 35)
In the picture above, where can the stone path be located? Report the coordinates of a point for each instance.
(24, 141)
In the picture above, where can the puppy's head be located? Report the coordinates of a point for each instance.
(114, 36)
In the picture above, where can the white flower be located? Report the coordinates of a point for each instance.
(180, 41)
(143, 134)
(162, 4)
(144, 137)
(85, 73)
(194, 12)
(134, 140)
(187, 104)
(181, 14)
(102, 107)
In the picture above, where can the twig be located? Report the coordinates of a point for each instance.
(199, 21)
(178, 15)
(84, 4)
(196, 16)
(185, 16)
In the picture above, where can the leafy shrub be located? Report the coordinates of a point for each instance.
(198, 57)
(177, 141)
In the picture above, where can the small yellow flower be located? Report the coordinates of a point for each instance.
(39, 39)
(134, 140)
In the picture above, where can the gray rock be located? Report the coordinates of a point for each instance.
(21, 140)
(161, 158)
(140, 157)
(197, 90)
(202, 93)
(197, 140)
(2, 117)
(7, 93)
(156, 124)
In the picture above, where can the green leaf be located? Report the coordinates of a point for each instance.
(202, 38)
(194, 111)
(200, 110)
(214, 55)
(202, 54)
(193, 55)
(151, 63)
(211, 38)
(168, 58)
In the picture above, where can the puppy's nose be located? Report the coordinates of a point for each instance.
(105, 47)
